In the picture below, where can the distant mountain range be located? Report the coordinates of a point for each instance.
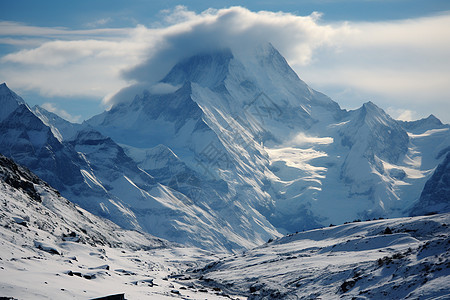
(242, 151)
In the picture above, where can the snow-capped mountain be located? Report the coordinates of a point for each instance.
(217, 121)
(10, 101)
(29, 201)
(61, 129)
(25, 138)
(288, 151)
(97, 174)
(241, 151)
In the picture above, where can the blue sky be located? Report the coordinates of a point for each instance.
(128, 13)
(69, 56)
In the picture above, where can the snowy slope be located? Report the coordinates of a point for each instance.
(384, 259)
(61, 128)
(52, 249)
(10, 101)
(158, 208)
(205, 173)
(37, 204)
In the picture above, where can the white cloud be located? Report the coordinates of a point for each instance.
(22, 42)
(397, 63)
(91, 62)
(162, 88)
(82, 66)
(100, 22)
(236, 28)
(51, 107)
(9, 28)
(302, 139)
(402, 114)
(403, 63)
(62, 52)
(178, 15)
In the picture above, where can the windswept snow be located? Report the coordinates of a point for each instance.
(427, 133)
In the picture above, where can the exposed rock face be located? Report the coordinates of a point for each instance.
(435, 197)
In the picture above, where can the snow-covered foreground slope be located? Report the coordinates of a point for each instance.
(383, 259)
(52, 249)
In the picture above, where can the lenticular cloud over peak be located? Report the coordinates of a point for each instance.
(235, 28)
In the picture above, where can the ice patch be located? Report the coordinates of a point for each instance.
(427, 133)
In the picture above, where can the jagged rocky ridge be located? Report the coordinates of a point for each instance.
(29, 201)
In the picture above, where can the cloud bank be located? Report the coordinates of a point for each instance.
(404, 63)
(237, 28)
(51, 107)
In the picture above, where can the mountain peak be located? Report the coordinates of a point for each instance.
(381, 135)
(6, 92)
(369, 105)
(206, 69)
(9, 101)
(370, 112)
(3, 87)
(210, 69)
(433, 119)
(268, 55)
(422, 125)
